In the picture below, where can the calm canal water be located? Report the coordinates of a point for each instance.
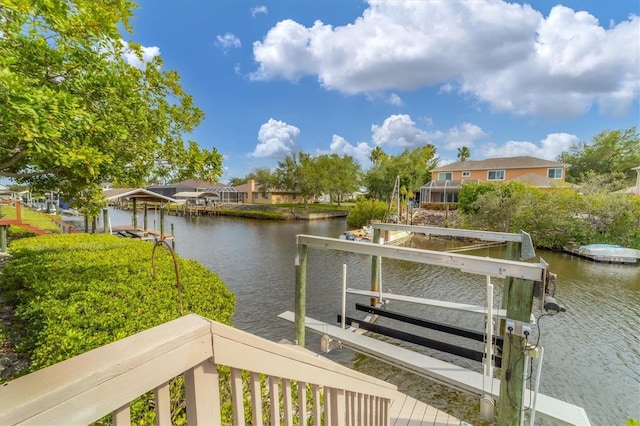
(592, 351)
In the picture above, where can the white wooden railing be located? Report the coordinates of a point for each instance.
(86, 388)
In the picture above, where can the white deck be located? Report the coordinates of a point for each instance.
(443, 372)
(408, 411)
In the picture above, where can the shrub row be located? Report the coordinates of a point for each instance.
(76, 292)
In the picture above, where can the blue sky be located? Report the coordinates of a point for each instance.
(345, 76)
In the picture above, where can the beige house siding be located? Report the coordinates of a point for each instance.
(510, 174)
(445, 180)
(514, 168)
(253, 195)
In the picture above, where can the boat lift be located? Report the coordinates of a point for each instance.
(520, 278)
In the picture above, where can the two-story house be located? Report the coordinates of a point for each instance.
(446, 180)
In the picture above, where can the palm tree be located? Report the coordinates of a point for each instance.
(463, 153)
(377, 154)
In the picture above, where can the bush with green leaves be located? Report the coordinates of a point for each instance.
(366, 210)
(553, 217)
(76, 292)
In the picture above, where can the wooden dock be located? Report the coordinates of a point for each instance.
(408, 411)
(128, 231)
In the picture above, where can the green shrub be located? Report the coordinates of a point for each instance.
(365, 211)
(76, 292)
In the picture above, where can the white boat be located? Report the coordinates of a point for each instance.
(610, 253)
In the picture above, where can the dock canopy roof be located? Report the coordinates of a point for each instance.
(139, 194)
(195, 194)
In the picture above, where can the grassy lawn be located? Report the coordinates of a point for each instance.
(34, 218)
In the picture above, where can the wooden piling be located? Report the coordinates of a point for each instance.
(135, 214)
(3, 238)
(162, 222)
(301, 294)
(376, 264)
(105, 220)
(145, 219)
(520, 299)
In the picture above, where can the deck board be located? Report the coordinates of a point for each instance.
(405, 411)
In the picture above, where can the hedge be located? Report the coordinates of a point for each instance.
(76, 292)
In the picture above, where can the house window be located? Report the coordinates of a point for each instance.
(445, 176)
(495, 175)
(466, 174)
(554, 173)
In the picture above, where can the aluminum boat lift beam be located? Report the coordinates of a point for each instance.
(472, 264)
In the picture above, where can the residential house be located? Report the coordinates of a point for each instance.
(253, 193)
(446, 180)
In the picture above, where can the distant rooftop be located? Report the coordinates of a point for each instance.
(524, 162)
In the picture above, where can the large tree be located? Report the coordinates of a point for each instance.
(75, 113)
(340, 174)
(413, 166)
(609, 152)
(300, 173)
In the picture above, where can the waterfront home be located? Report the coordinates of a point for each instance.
(446, 180)
(254, 193)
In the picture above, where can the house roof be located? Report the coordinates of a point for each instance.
(195, 194)
(199, 184)
(137, 193)
(499, 163)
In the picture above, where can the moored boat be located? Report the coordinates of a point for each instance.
(607, 253)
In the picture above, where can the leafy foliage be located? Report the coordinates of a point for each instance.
(312, 176)
(616, 151)
(75, 113)
(552, 217)
(366, 210)
(76, 292)
(413, 166)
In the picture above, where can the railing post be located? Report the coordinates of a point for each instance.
(301, 293)
(202, 394)
(375, 268)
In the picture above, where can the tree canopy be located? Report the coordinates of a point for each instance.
(413, 166)
(610, 151)
(75, 113)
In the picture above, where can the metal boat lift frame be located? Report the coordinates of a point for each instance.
(520, 279)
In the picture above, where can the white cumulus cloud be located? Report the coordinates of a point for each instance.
(359, 152)
(276, 139)
(549, 148)
(400, 131)
(505, 55)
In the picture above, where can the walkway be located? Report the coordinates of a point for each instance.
(405, 411)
